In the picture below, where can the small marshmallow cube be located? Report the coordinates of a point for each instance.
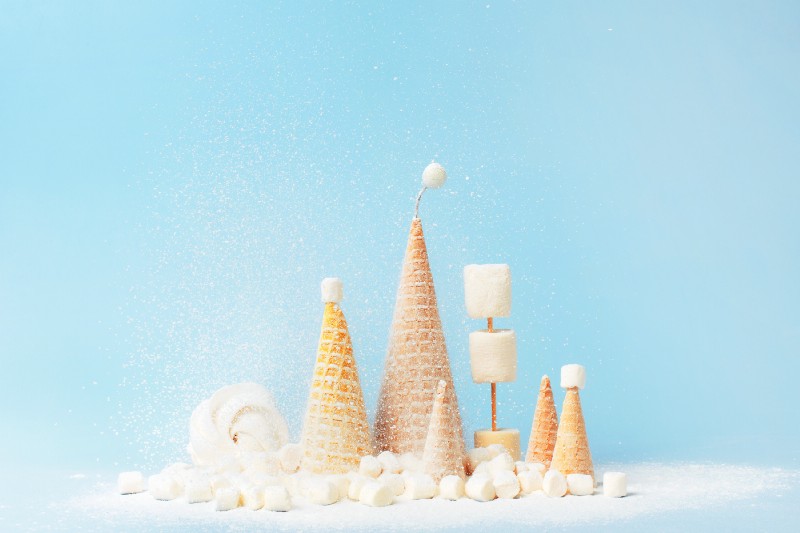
(130, 482)
(389, 462)
(342, 483)
(395, 482)
(502, 462)
(197, 489)
(356, 485)
(554, 484)
(506, 484)
(615, 484)
(370, 466)
(332, 290)
(580, 484)
(480, 488)
(573, 376)
(289, 457)
(419, 486)
(164, 486)
(493, 356)
(276, 498)
(487, 290)
(520, 466)
(539, 467)
(253, 497)
(321, 491)
(376, 494)
(451, 488)
(495, 449)
(226, 499)
(529, 481)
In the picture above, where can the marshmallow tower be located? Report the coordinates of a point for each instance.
(493, 353)
(335, 431)
(571, 454)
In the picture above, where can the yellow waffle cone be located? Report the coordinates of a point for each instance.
(545, 427)
(416, 358)
(335, 432)
(571, 454)
(444, 446)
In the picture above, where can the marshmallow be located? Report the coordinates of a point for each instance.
(253, 497)
(615, 484)
(342, 483)
(487, 290)
(412, 463)
(506, 484)
(520, 466)
(332, 290)
(277, 498)
(529, 481)
(484, 469)
(356, 485)
(226, 499)
(495, 450)
(376, 494)
(503, 462)
(262, 462)
(493, 356)
(164, 486)
(289, 457)
(507, 438)
(480, 488)
(395, 482)
(573, 376)
(197, 489)
(419, 487)
(389, 462)
(477, 456)
(434, 176)
(539, 467)
(130, 482)
(451, 488)
(218, 483)
(370, 466)
(554, 484)
(321, 491)
(580, 484)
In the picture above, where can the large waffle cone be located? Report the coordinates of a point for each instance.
(416, 358)
(545, 427)
(335, 431)
(444, 446)
(571, 454)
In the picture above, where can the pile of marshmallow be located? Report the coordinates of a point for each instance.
(273, 482)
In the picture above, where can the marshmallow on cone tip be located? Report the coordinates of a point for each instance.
(451, 488)
(545, 427)
(376, 494)
(487, 290)
(493, 355)
(416, 358)
(506, 484)
(332, 290)
(507, 437)
(573, 376)
(529, 481)
(434, 176)
(554, 484)
(444, 442)
(335, 432)
(615, 484)
(571, 454)
(226, 499)
(164, 486)
(277, 499)
(580, 484)
(480, 488)
(130, 482)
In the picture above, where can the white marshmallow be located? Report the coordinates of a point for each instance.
(294, 483)
(580, 484)
(520, 466)
(573, 376)
(342, 482)
(502, 462)
(277, 498)
(554, 484)
(529, 481)
(370, 466)
(506, 484)
(130, 482)
(290, 456)
(226, 499)
(410, 462)
(495, 450)
(321, 491)
(264, 462)
(376, 494)
(164, 486)
(395, 482)
(253, 497)
(389, 462)
(451, 488)
(356, 485)
(434, 176)
(493, 356)
(484, 469)
(539, 467)
(477, 456)
(332, 290)
(480, 488)
(419, 486)
(487, 290)
(197, 489)
(219, 482)
(615, 484)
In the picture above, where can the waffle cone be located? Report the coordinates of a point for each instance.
(571, 454)
(545, 427)
(335, 431)
(444, 446)
(416, 358)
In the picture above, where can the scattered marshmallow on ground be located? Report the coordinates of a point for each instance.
(520, 466)
(480, 488)
(356, 484)
(506, 484)
(395, 482)
(554, 484)
(226, 499)
(580, 484)
(615, 484)
(370, 466)
(539, 467)
(164, 487)
(342, 482)
(419, 486)
(219, 482)
(130, 482)
(320, 491)
(253, 497)
(529, 481)
(375, 494)
(289, 457)
(276, 498)
(451, 488)
(495, 450)
(502, 462)
(197, 488)
(389, 462)
(483, 469)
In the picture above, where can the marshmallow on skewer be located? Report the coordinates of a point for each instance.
(487, 290)
(493, 355)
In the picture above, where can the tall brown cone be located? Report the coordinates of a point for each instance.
(571, 454)
(444, 446)
(545, 427)
(336, 431)
(416, 358)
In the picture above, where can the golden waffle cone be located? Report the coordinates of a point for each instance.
(335, 431)
(545, 427)
(416, 358)
(444, 446)
(571, 454)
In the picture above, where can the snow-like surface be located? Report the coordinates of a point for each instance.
(669, 495)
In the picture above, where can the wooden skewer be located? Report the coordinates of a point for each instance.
(490, 327)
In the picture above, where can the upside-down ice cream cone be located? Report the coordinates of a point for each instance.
(545, 427)
(444, 446)
(571, 454)
(335, 432)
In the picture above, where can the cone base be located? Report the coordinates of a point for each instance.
(508, 437)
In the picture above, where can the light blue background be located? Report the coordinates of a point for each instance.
(176, 178)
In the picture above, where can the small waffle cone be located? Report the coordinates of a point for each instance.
(416, 358)
(571, 454)
(545, 427)
(335, 431)
(444, 446)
